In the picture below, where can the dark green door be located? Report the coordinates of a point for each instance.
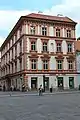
(46, 83)
(34, 83)
(60, 82)
(71, 82)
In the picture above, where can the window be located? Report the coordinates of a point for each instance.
(69, 47)
(15, 66)
(59, 62)
(20, 31)
(70, 65)
(15, 36)
(57, 32)
(45, 64)
(16, 50)
(12, 67)
(58, 47)
(33, 64)
(45, 46)
(12, 41)
(32, 30)
(44, 31)
(33, 46)
(20, 46)
(12, 52)
(20, 65)
(69, 33)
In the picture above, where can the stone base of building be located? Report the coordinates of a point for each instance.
(64, 82)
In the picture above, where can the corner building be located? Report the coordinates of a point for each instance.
(40, 49)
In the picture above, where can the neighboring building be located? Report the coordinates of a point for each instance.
(40, 49)
(77, 46)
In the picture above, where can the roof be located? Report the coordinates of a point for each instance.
(37, 16)
(77, 45)
(49, 17)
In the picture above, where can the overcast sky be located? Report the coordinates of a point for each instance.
(11, 10)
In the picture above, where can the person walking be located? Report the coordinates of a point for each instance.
(40, 90)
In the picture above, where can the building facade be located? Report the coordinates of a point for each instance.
(40, 50)
(77, 46)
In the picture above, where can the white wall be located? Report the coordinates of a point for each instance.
(40, 64)
(64, 47)
(26, 29)
(51, 31)
(52, 63)
(39, 45)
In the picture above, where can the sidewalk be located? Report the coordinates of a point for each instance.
(35, 93)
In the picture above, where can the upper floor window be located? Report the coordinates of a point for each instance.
(33, 64)
(33, 46)
(44, 31)
(58, 47)
(59, 64)
(32, 30)
(57, 32)
(12, 41)
(44, 46)
(69, 47)
(69, 33)
(45, 64)
(70, 65)
(16, 50)
(15, 36)
(20, 46)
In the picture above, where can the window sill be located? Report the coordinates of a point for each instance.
(45, 52)
(35, 51)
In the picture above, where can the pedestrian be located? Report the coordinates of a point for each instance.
(40, 90)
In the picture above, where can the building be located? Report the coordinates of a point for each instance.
(40, 50)
(77, 46)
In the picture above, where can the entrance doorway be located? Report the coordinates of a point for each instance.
(34, 83)
(8, 82)
(46, 83)
(60, 82)
(71, 82)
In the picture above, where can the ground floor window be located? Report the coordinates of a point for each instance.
(46, 83)
(71, 82)
(60, 82)
(34, 83)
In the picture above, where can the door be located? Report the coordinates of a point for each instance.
(71, 82)
(60, 82)
(46, 83)
(34, 83)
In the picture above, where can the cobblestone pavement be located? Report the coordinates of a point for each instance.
(47, 107)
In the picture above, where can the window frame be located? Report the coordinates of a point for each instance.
(45, 46)
(59, 47)
(44, 30)
(33, 64)
(70, 65)
(45, 64)
(69, 47)
(33, 45)
(58, 32)
(32, 30)
(59, 65)
(68, 33)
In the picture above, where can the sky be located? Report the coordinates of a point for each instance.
(11, 10)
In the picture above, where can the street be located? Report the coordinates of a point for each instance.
(46, 107)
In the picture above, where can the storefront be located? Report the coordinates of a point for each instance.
(60, 82)
(33, 83)
(71, 82)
